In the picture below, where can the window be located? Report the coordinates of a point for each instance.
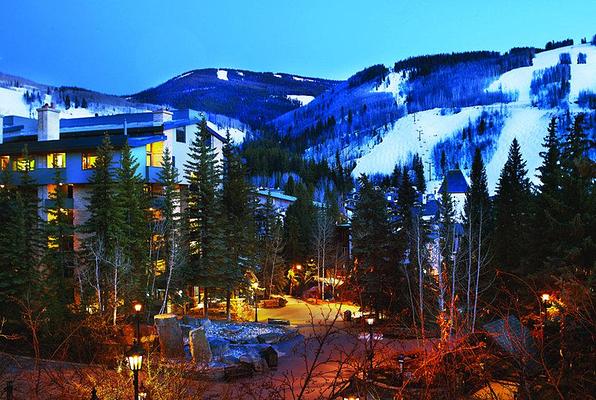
(4, 162)
(181, 134)
(22, 164)
(154, 154)
(57, 160)
(89, 160)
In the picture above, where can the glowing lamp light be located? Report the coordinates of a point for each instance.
(370, 321)
(299, 267)
(254, 285)
(137, 307)
(134, 356)
(545, 297)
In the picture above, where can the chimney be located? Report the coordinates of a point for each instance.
(1, 129)
(48, 123)
(162, 115)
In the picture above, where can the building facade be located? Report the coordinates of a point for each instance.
(71, 144)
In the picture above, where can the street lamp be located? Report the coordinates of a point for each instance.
(134, 357)
(137, 306)
(255, 286)
(370, 321)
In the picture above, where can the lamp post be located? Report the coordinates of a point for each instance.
(137, 306)
(255, 286)
(134, 357)
(545, 299)
(370, 321)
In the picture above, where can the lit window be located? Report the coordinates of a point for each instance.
(57, 160)
(89, 160)
(154, 154)
(23, 164)
(4, 162)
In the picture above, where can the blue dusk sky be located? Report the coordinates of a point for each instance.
(124, 46)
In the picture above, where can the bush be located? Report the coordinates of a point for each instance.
(565, 58)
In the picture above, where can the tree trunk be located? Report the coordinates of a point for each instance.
(205, 303)
(478, 262)
(228, 304)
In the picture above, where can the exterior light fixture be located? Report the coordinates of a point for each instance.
(134, 356)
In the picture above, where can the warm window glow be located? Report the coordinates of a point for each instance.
(154, 154)
(21, 164)
(57, 160)
(4, 161)
(89, 160)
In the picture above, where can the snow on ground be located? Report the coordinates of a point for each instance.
(240, 73)
(13, 103)
(529, 126)
(394, 83)
(402, 141)
(222, 74)
(297, 78)
(277, 75)
(183, 75)
(582, 75)
(302, 98)
(237, 135)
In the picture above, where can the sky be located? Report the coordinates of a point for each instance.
(124, 46)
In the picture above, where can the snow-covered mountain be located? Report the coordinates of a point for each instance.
(22, 97)
(451, 104)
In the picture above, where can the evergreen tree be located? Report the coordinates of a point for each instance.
(545, 229)
(290, 186)
(577, 222)
(205, 231)
(300, 217)
(102, 228)
(238, 220)
(371, 240)
(133, 235)
(418, 167)
(512, 212)
(270, 248)
(172, 250)
(60, 230)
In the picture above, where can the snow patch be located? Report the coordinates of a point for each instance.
(583, 76)
(222, 74)
(240, 73)
(236, 134)
(394, 83)
(411, 134)
(277, 75)
(184, 75)
(302, 98)
(297, 78)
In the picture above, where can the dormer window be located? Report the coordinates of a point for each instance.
(56, 160)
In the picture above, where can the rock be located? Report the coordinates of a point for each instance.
(270, 338)
(278, 321)
(270, 356)
(255, 360)
(204, 322)
(188, 320)
(199, 346)
(219, 347)
(170, 336)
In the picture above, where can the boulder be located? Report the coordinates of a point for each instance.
(270, 356)
(219, 347)
(255, 360)
(199, 346)
(170, 336)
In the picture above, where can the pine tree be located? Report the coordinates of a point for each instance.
(205, 232)
(60, 230)
(372, 239)
(238, 220)
(172, 250)
(270, 248)
(577, 223)
(512, 212)
(418, 167)
(547, 208)
(102, 227)
(133, 235)
(300, 217)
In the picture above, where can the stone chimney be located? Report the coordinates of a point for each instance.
(1, 129)
(48, 123)
(162, 115)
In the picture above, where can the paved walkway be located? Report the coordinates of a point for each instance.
(299, 312)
